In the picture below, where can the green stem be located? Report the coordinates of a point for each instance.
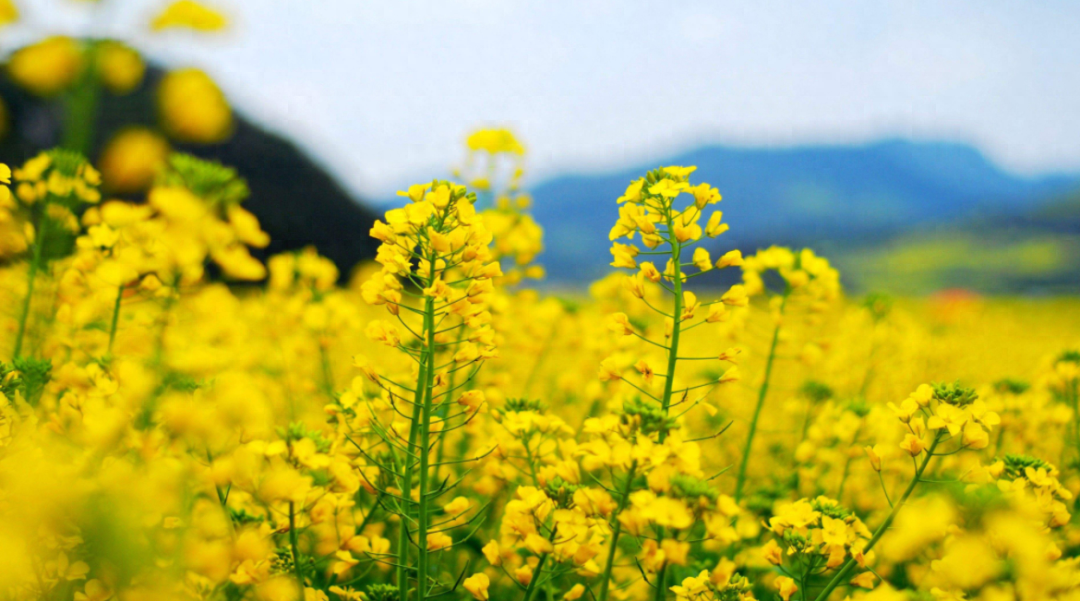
(536, 578)
(530, 461)
(443, 410)
(849, 565)
(293, 544)
(80, 108)
(660, 592)
(762, 393)
(1075, 388)
(425, 452)
(804, 580)
(223, 496)
(115, 317)
(847, 467)
(676, 328)
(802, 438)
(406, 484)
(669, 381)
(1072, 398)
(166, 313)
(35, 266)
(869, 368)
(531, 589)
(419, 428)
(370, 513)
(327, 373)
(616, 530)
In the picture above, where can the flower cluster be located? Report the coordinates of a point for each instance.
(1035, 482)
(935, 414)
(803, 273)
(816, 534)
(435, 429)
(518, 239)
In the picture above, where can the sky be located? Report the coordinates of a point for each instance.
(383, 93)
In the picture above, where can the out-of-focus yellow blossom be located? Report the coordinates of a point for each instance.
(192, 107)
(120, 67)
(803, 272)
(477, 586)
(55, 176)
(48, 67)
(786, 587)
(189, 14)
(132, 159)
(495, 167)
(9, 13)
(494, 141)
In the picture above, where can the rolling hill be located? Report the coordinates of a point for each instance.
(837, 198)
(1035, 252)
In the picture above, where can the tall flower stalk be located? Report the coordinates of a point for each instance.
(37, 247)
(805, 276)
(763, 391)
(435, 251)
(50, 188)
(669, 230)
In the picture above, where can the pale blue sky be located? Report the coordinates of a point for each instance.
(384, 92)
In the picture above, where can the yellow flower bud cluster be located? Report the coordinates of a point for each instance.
(57, 176)
(935, 414)
(803, 272)
(437, 243)
(816, 531)
(495, 167)
(193, 108)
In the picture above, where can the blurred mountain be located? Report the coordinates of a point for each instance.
(835, 198)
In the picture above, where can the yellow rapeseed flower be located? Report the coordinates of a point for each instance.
(120, 67)
(193, 108)
(132, 159)
(48, 67)
(9, 13)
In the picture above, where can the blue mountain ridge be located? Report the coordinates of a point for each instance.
(821, 196)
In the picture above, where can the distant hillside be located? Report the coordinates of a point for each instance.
(833, 197)
(1033, 253)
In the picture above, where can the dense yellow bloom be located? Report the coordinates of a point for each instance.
(803, 272)
(495, 168)
(53, 176)
(165, 433)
